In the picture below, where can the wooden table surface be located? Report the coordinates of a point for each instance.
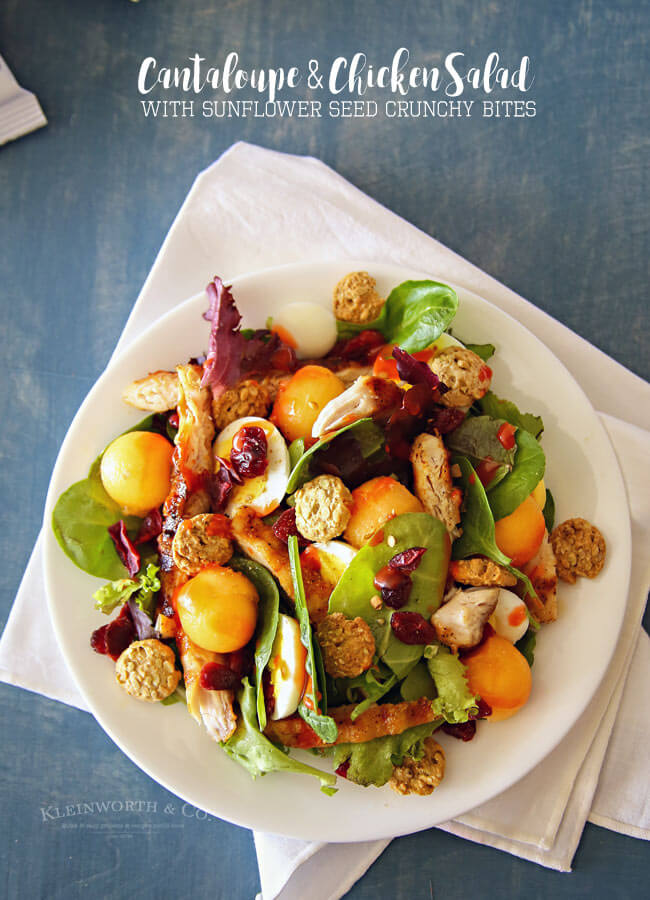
(555, 206)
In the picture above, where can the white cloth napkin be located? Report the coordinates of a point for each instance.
(255, 208)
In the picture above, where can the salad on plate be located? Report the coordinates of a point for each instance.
(329, 534)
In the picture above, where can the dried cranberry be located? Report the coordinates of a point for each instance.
(173, 417)
(98, 639)
(394, 585)
(221, 483)
(444, 419)
(151, 527)
(125, 548)
(407, 560)
(342, 770)
(119, 635)
(412, 628)
(484, 710)
(464, 731)
(249, 449)
(218, 677)
(285, 527)
(363, 347)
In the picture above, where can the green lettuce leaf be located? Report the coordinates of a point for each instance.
(523, 478)
(549, 511)
(477, 523)
(455, 700)
(494, 406)
(418, 683)
(484, 351)
(142, 589)
(414, 315)
(365, 689)
(267, 621)
(372, 762)
(251, 749)
(352, 594)
(324, 726)
(526, 646)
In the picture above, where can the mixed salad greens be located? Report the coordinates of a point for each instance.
(341, 547)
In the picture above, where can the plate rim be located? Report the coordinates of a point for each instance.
(50, 545)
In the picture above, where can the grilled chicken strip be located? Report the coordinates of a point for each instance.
(432, 481)
(257, 541)
(459, 623)
(158, 392)
(377, 721)
(188, 496)
(367, 396)
(213, 708)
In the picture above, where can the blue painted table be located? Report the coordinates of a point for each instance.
(555, 206)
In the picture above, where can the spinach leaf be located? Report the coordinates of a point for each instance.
(296, 451)
(142, 589)
(455, 700)
(80, 522)
(484, 351)
(477, 438)
(477, 522)
(418, 683)
(267, 621)
(526, 646)
(352, 594)
(369, 436)
(84, 512)
(251, 749)
(414, 315)
(549, 511)
(494, 406)
(372, 761)
(324, 726)
(522, 480)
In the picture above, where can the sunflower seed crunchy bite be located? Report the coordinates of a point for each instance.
(356, 300)
(247, 398)
(147, 670)
(579, 549)
(323, 508)
(420, 776)
(464, 373)
(199, 542)
(347, 645)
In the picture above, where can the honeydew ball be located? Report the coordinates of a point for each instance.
(136, 471)
(218, 609)
(309, 328)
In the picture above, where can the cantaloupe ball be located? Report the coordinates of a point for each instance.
(298, 404)
(136, 471)
(498, 673)
(520, 534)
(218, 609)
(539, 494)
(374, 503)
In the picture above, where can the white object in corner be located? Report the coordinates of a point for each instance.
(20, 111)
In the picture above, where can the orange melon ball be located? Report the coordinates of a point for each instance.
(298, 403)
(498, 673)
(374, 503)
(136, 471)
(539, 494)
(218, 609)
(520, 534)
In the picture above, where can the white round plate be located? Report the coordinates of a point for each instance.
(572, 653)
